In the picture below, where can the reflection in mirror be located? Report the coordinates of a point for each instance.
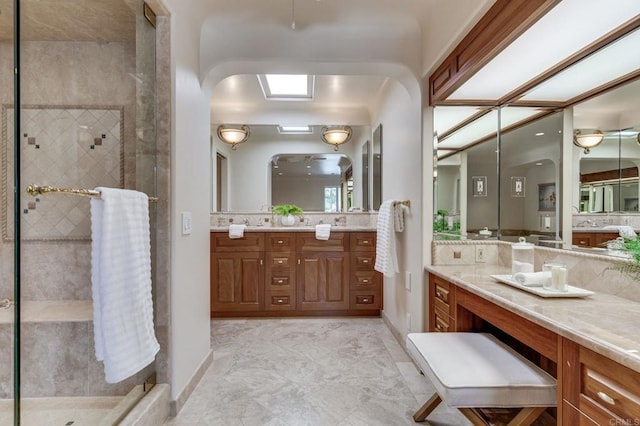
(521, 200)
(365, 177)
(530, 183)
(609, 174)
(313, 182)
(376, 148)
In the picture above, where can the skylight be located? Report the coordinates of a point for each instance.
(286, 86)
(294, 130)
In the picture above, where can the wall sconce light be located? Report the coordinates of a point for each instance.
(336, 135)
(233, 135)
(587, 139)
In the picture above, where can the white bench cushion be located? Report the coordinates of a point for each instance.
(477, 370)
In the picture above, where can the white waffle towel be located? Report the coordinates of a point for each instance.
(323, 231)
(121, 282)
(386, 256)
(531, 279)
(236, 231)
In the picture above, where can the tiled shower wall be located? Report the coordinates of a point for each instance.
(80, 75)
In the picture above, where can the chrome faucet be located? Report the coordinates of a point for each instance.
(246, 221)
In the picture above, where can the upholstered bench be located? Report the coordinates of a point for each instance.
(476, 370)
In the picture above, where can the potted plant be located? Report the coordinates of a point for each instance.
(287, 213)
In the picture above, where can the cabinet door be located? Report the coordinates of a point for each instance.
(323, 281)
(237, 282)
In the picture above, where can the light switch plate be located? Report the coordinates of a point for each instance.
(186, 223)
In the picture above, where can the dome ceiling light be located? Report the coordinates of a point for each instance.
(336, 135)
(233, 135)
(587, 139)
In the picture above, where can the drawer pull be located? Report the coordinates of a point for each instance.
(365, 261)
(280, 281)
(365, 281)
(280, 261)
(438, 295)
(606, 398)
(280, 242)
(365, 300)
(439, 327)
(365, 242)
(280, 300)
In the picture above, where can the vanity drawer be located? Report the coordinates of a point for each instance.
(280, 300)
(280, 281)
(363, 299)
(583, 240)
(220, 242)
(363, 241)
(363, 260)
(362, 280)
(280, 260)
(307, 241)
(607, 392)
(281, 241)
(441, 295)
(441, 321)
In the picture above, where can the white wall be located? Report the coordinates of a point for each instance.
(401, 116)
(190, 324)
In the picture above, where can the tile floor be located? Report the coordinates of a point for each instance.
(294, 372)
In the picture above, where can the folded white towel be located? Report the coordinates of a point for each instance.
(531, 279)
(323, 231)
(236, 231)
(623, 230)
(121, 282)
(386, 256)
(517, 266)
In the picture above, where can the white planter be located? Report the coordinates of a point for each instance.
(287, 220)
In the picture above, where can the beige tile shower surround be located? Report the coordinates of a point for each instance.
(60, 270)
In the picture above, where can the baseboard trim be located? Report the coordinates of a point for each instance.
(176, 405)
(399, 337)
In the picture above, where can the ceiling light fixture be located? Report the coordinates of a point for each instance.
(233, 135)
(336, 135)
(587, 139)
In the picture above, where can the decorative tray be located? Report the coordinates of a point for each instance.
(543, 292)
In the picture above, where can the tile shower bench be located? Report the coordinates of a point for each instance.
(591, 345)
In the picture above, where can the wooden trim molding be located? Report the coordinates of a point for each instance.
(629, 172)
(501, 25)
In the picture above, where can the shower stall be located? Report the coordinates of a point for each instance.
(78, 96)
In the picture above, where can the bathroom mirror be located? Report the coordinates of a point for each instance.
(376, 147)
(366, 206)
(506, 204)
(249, 169)
(608, 179)
(313, 182)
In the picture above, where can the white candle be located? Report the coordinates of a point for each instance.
(559, 278)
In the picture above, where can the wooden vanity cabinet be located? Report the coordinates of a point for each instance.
(237, 273)
(323, 272)
(365, 282)
(441, 305)
(600, 389)
(280, 271)
(592, 239)
(293, 273)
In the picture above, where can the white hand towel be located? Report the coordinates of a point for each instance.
(323, 231)
(386, 256)
(121, 283)
(236, 231)
(623, 230)
(531, 279)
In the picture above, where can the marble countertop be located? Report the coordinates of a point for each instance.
(592, 229)
(304, 228)
(603, 323)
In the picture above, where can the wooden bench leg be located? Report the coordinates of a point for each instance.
(526, 416)
(427, 408)
(473, 416)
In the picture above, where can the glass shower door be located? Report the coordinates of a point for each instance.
(86, 113)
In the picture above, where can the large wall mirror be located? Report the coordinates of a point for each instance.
(376, 170)
(502, 164)
(608, 173)
(276, 168)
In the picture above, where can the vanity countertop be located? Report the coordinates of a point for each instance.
(603, 323)
(310, 228)
(592, 229)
